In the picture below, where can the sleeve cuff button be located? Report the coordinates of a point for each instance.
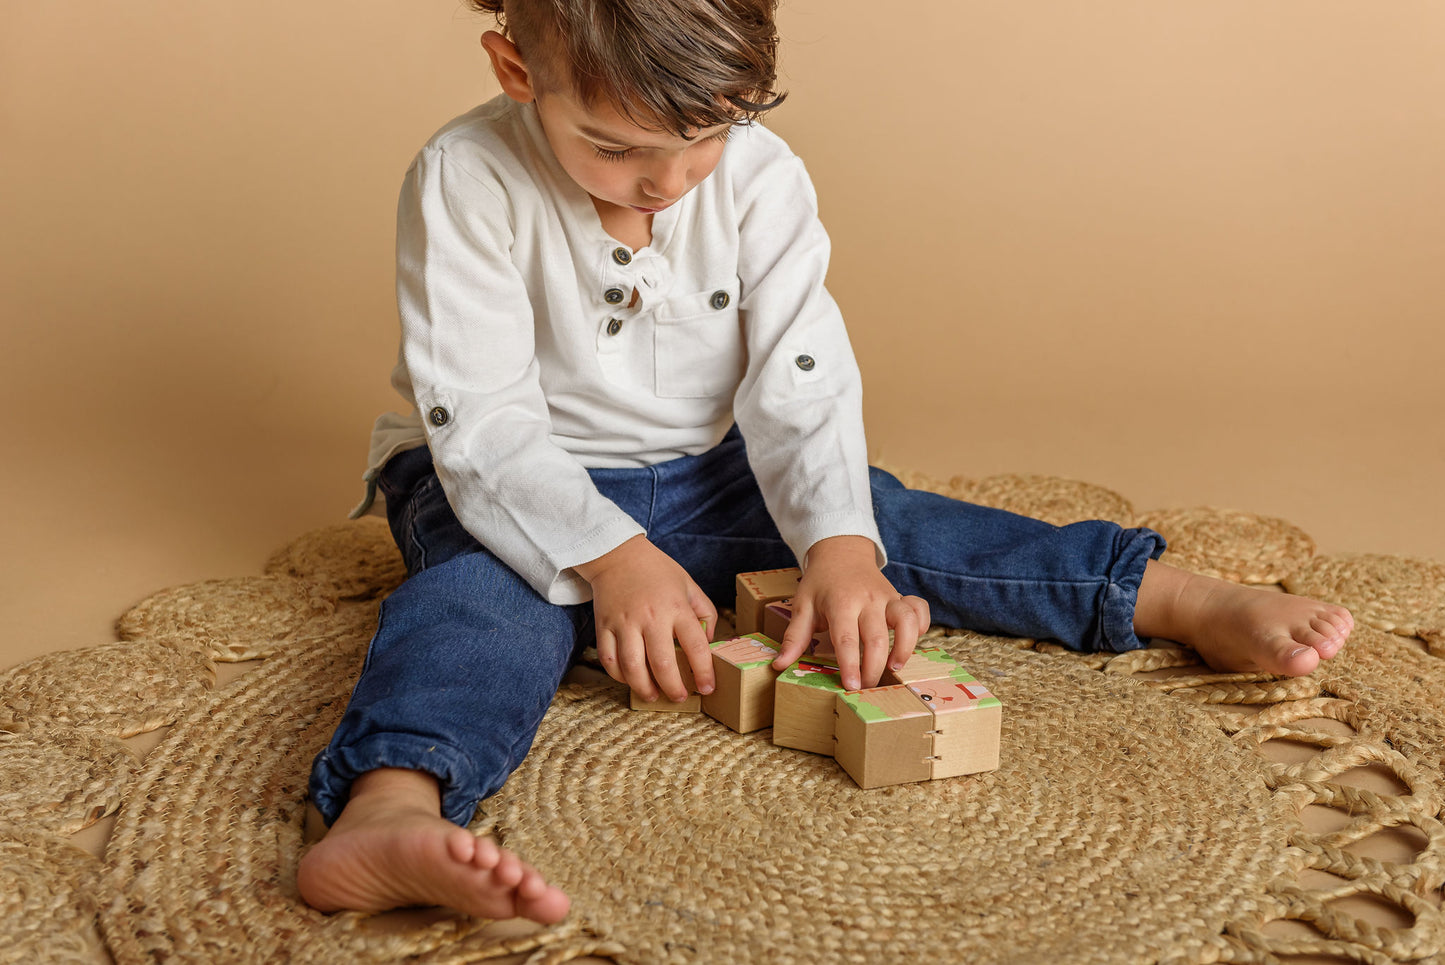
(439, 416)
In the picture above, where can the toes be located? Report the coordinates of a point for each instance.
(1288, 657)
(487, 854)
(1331, 637)
(541, 902)
(461, 845)
(508, 871)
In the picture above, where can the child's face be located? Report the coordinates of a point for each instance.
(621, 164)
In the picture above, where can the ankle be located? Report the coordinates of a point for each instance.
(393, 790)
(1166, 600)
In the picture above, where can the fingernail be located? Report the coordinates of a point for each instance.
(705, 690)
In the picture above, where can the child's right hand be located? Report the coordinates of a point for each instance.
(642, 600)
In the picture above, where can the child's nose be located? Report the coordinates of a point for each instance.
(668, 179)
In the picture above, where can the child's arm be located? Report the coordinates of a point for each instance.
(844, 592)
(642, 599)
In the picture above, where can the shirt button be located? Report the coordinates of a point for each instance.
(614, 325)
(805, 362)
(622, 256)
(614, 296)
(720, 300)
(439, 416)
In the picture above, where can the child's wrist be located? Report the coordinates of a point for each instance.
(592, 569)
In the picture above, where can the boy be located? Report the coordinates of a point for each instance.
(608, 279)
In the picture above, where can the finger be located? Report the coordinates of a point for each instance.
(632, 660)
(843, 630)
(903, 618)
(873, 632)
(704, 610)
(798, 635)
(662, 658)
(920, 607)
(694, 642)
(607, 655)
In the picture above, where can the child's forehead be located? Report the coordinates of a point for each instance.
(606, 122)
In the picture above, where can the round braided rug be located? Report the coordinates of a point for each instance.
(61, 780)
(1231, 545)
(1393, 593)
(121, 689)
(1050, 498)
(49, 890)
(345, 561)
(683, 841)
(243, 618)
(203, 857)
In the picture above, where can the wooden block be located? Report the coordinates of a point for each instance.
(743, 696)
(803, 707)
(967, 719)
(925, 663)
(757, 590)
(884, 736)
(777, 616)
(693, 703)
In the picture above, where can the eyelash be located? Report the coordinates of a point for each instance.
(606, 155)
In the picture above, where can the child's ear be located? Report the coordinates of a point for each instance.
(509, 67)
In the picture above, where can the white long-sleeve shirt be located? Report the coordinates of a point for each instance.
(526, 360)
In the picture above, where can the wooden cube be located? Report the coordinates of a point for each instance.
(884, 736)
(803, 707)
(693, 703)
(743, 696)
(757, 590)
(925, 663)
(967, 720)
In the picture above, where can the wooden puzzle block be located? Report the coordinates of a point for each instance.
(925, 663)
(884, 736)
(777, 616)
(967, 720)
(743, 696)
(757, 590)
(693, 703)
(803, 707)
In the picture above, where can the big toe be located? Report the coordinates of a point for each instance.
(1287, 657)
(540, 901)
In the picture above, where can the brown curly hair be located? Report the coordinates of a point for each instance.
(669, 65)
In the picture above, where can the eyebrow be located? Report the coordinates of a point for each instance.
(598, 134)
(607, 137)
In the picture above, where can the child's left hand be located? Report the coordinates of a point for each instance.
(843, 592)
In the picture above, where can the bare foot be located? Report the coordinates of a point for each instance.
(391, 848)
(1239, 628)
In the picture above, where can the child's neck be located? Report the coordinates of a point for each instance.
(632, 228)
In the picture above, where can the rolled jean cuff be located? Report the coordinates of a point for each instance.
(1121, 594)
(336, 768)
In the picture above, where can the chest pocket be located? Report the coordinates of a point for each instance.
(698, 345)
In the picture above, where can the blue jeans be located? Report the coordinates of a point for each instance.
(467, 656)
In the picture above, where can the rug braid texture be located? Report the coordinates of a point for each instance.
(1146, 809)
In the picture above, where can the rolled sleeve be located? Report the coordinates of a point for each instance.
(800, 403)
(468, 349)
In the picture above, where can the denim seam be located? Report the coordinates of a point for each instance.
(1098, 581)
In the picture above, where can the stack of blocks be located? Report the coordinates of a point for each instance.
(930, 719)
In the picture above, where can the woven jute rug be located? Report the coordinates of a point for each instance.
(1146, 809)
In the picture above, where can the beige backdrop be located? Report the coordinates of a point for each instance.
(1189, 250)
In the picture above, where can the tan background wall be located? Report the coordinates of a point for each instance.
(1190, 250)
